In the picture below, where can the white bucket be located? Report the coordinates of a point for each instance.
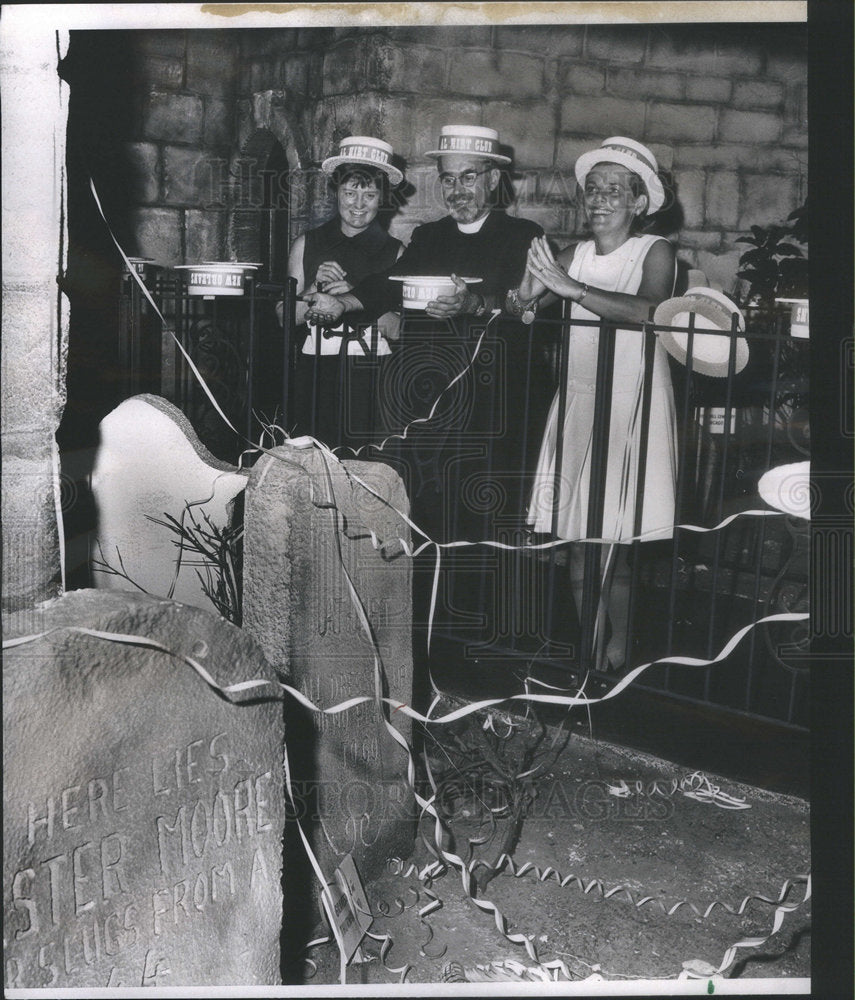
(418, 290)
(214, 278)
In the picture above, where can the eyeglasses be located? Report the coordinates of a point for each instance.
(466, 177)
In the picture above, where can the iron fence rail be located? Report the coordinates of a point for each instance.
(688, 594)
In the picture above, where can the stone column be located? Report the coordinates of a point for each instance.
(35, 316)
(298, 606)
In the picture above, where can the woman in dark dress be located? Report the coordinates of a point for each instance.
(338, 369)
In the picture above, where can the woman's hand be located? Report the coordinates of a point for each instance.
(531, 286)
(337, 287)
(323, 308)
(546, 271)
(330, 273)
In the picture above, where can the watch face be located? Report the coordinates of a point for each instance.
(528, 316)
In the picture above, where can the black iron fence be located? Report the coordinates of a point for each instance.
(688, 594)
(474, 399)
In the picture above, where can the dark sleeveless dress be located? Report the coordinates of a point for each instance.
(335, 395)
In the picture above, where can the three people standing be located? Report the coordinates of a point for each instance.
(617, 274)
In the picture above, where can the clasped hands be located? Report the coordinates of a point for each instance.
(330, 282)
(332, 279)
(327, 307)
(544, 272)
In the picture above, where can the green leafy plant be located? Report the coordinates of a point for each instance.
(777, 263)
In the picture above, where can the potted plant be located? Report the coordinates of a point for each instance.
(776, 269)
(776, 266)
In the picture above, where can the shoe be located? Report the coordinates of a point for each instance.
(615, 657)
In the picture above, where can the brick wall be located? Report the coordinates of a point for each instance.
(723, 107)
(183, 127)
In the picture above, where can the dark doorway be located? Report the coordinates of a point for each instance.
(100, 71)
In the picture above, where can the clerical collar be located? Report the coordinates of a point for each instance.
(473, 227)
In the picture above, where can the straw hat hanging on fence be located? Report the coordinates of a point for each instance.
(787, 488)
(712, 310)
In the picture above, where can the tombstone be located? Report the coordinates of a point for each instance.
(350, 773)
(151, 463)
(143, 813)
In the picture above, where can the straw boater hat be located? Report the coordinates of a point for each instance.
(787, 488)
(365, 150)
(632, 155)
(713, 311)
(470, 140)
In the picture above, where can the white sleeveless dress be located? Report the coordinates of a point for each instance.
(618, 271)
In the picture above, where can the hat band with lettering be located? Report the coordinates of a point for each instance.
(366, 151)
(469, 140)
(628, 151)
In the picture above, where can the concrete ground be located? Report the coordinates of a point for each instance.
(618, 875)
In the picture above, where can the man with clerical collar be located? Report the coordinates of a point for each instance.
(475, 431)
(475, 443)
(474, 240)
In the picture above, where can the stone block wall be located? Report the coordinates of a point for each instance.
(35, 313)
(182, 128)
(722, 106)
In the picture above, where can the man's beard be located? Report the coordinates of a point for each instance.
(464, 209)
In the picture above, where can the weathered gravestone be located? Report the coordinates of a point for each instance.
(303, 527)
(143, 813)
(150, 462)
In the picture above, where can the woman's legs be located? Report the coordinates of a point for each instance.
(615, 578)
(617, 602)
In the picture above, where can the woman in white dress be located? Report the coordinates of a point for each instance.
(617, 276)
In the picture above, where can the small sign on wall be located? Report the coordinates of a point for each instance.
(711, 418)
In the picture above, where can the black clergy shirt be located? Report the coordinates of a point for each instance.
(496, 254)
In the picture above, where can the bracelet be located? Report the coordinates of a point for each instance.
(516, 307)
(584, 291)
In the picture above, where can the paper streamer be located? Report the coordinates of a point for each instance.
(511, 868)
(133, 273)
(386, 945)
(426, 805)
(326, 898)
(423, 420)
(241, 687)
(756, 942)
(694, 786)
